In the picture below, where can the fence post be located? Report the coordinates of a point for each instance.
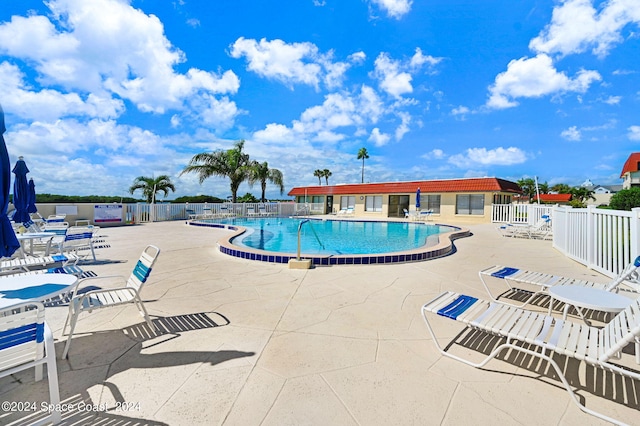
(591, 235)
(635, 233)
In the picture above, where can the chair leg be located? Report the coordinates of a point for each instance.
(52, 376)
(72, 326)
(144, 313)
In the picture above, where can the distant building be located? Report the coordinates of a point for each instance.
(461, 200)
(553, 198)
(631, 171)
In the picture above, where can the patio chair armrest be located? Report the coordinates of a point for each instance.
(81, 281)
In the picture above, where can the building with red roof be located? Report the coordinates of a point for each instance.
(631, 171)
(468, 200)
(553, 198)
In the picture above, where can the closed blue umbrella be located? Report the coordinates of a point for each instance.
(31, 206)
(418, 199)
(21, 192)
(8, 241)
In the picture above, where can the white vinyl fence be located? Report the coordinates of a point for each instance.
(528, 214)
(603, 240)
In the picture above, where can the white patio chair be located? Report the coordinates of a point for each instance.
(128, 291)
(77, 239)
(629, 277)
(595, 346)
(26, 341)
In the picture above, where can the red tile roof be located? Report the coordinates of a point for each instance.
(554, 198)
(632, 164)
(426, 186)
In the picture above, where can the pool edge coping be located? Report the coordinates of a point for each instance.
(443, 247)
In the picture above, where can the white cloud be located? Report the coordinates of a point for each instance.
(378, 138)
(392, 80)
(395, 77)
(403, 128)
(107, 47)
(613, 100)
(535, 77)
(436, 154)
(394, 8)
(488, 157)
(460, 112)
(577, 26)
(292, 63)
(634, 133)
(571, 134)
(419, 59)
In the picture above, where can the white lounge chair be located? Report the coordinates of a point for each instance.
(128, 291)
(630, 276)
(540, 230)
(31, 263)
(595, 346)
(26, 341)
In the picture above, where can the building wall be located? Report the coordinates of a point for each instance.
(447, 207)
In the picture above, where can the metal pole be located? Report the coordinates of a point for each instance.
(299, 229)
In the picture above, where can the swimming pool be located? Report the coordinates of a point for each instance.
(332, 237)
(329, 242)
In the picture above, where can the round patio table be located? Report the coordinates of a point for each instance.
(16, 289)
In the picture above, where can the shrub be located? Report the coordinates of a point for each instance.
(625, 199)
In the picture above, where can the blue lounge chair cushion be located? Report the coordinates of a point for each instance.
(457, 307)
(505, 272)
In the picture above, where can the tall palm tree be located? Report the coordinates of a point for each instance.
(150, 186)
(262, 173)
(362, 155)
(232, 163)
(318, 173)
(326, 173)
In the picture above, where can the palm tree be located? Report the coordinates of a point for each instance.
(232, 163)
(318, 173)
(262, 173)
(363, 154)
(580, 195)
(150, 186)
(528, 187)
(561, 188)
(326, 173)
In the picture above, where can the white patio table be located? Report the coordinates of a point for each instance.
(15, 289)
(590, 298)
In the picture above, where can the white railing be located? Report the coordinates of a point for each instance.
(142, 212)
(603, 240)
(520, 213)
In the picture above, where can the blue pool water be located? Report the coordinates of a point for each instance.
(332, 237)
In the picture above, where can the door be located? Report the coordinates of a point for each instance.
(328, 209)
(397, 204)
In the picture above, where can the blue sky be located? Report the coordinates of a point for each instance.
(99, 92)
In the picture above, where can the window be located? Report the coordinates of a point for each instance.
(470, 204)
(430, 202)
(347, 202)
(317, 199)
(373, 203)
(501, 199)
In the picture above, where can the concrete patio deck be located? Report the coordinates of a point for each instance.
(252, 343)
